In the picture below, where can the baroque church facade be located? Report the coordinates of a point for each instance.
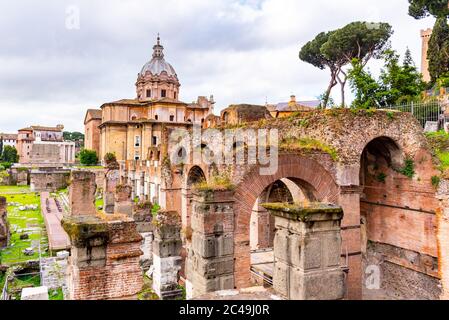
(131, 127)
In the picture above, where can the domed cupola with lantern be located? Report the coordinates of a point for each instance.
(157, 79)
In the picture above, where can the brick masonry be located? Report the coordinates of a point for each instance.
(82, 190)
(319, 182)
(105, 252)
(4, 227)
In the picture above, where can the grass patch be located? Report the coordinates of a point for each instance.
(56, 294)
(308, 144)
(14, 189)
(99, 203)
(88, 167)
(30, 222)
(443, 156)
(439, 145)
(219, 182)
(435, 181)
(23, 281)
(147, 292)
(409, 168)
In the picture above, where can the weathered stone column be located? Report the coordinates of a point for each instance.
(143, 217)
(307, 248)
(123, 203)
(82, 190)
(112, 177)
(142, 186)
(167, 254)
(260, 229)
(4, 226)
(210, 260)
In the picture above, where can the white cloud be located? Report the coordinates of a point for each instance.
(240, 51)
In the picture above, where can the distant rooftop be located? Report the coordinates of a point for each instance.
(294, 105)
(58, 128)
(8, 136)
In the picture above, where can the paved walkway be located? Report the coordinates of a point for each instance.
(263, 261)
(57, 237)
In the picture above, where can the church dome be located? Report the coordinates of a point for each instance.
(157, 64)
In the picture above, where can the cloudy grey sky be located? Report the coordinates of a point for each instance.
(237, 50)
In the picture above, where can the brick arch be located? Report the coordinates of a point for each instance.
(309, 172)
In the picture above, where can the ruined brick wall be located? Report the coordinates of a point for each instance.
(442, 215)
(399, 225)
(105, 249)
(82, 193)
(105, 259)
(48, 181)
(4, 227)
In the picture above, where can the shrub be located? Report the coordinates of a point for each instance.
(409, 169)
(435, 181)
(10, 154)
(381, 177)
(88, 157)
(110, 157)
(6, 165)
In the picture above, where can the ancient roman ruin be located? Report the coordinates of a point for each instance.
(286, 200)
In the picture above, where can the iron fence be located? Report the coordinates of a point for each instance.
(424, 112)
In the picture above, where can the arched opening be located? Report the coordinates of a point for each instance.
(181, 156)
(392, 212)
(195, 175)
(314, 181)
(225, 117)
(262, 226)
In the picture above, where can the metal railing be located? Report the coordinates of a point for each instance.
(423, 111)
(26, 278)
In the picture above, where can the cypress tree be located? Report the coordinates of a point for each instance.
(438, 52)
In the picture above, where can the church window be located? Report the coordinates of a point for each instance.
(172, 118)
(136, 155)
(163, 93)
(148, 93)
(154, 140)
(174, 95)
(137, 141)
(156, 117)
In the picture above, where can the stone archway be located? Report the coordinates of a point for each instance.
(195, 175)
(314, 179)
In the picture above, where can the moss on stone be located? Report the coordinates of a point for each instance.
(82, 228)
(308, 144)
(298, 211)
(220, 182)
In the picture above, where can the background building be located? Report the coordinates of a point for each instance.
(92, 122)
(39, 145)
(8, 139)
(131, 128)
(425, 37)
